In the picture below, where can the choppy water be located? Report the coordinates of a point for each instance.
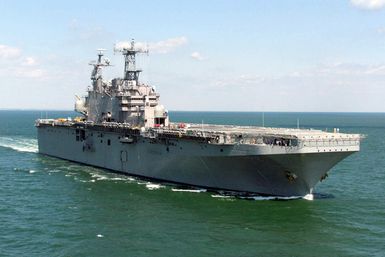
(52, 207)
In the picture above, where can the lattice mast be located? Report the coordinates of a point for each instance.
(131, 73)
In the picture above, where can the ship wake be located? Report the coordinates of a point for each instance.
(20, 144)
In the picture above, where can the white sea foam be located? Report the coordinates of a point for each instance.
(269, 198)
(101, 177)
(189, 190)
(222, 196)
(110, 177)
(97, 176)
(19, 169)
(122, 179)
(32, 171)
(151, 186)
(54, 171)
(19, 144)
(82, 180)
(260, 198)
(309, 197)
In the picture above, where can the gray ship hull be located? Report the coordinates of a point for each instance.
(268, 170)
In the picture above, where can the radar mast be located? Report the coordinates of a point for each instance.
(131, 73)
(96, 75)
(97, 71)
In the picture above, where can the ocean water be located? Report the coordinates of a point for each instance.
(52, 207)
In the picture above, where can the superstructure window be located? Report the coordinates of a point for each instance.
(160, 121)
(109, 142)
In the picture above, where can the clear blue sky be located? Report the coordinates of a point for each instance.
(276, 55)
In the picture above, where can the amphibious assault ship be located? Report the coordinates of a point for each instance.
(124, 128)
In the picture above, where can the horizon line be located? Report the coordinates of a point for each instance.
(216, 111)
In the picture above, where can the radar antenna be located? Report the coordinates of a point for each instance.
(131, 73)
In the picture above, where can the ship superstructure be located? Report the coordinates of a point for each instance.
(124, 128)
(122, 100)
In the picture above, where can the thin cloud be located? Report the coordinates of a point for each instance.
(376, 70)
(167, 45)
(73, 24)
(23, 72)
(9, 52)
(163, 47)
(381, 31)
(197, 56)
(337, 84)
(80, 32)
(347, 72)
(29, 61)
(346, 69)
(368, 4)
(245, 80)
(18, 66)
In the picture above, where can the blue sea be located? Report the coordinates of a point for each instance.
(52, 207)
